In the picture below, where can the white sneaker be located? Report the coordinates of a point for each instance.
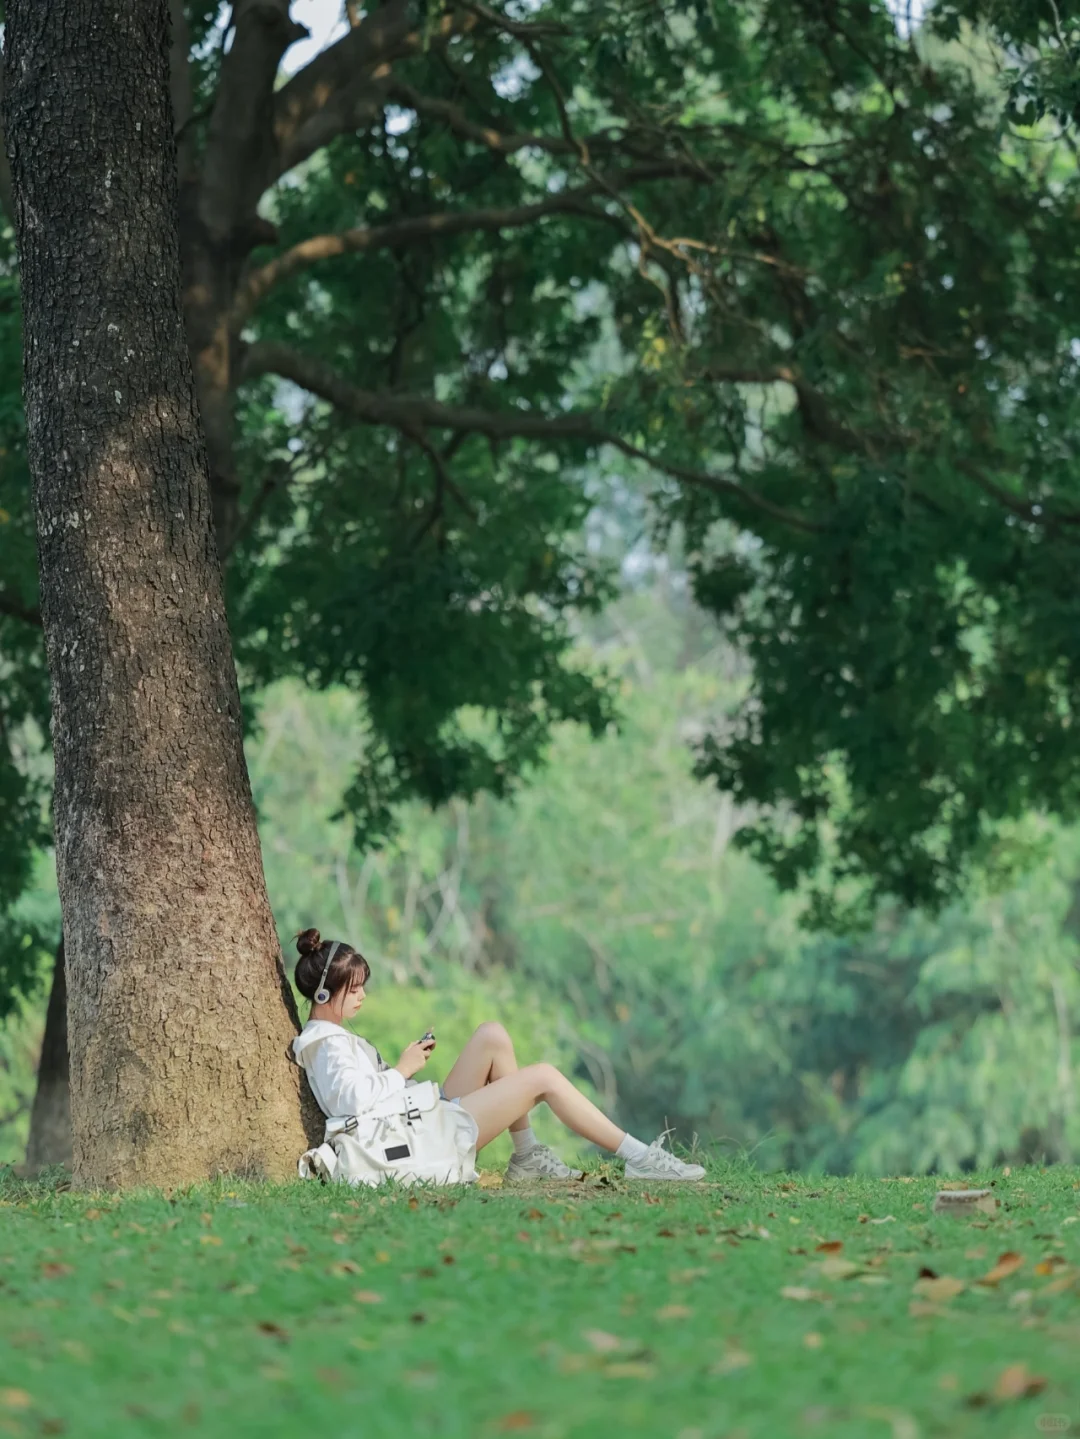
(659, 1163)
(540, 1163)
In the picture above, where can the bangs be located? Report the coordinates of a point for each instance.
(359, 971)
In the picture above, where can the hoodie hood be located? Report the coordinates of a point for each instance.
(313, 1033)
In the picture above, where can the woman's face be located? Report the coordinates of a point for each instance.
(352, 1002)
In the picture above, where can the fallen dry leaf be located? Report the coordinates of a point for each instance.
(15, 1399)
(964, 1201)
(517, 1420)
(1068, 1279)
(344, 1266)
(830, 1246)
(732, 1362)
(939, 1288)
(674, 1311)
(267, 1326)
(799, 1293)
(813, 1340)
(367, 1296)
(629, 1369)
(1017, 1382)
(1007, 1264)
(1050, 1264)
(839, 1268)
(56, 1271)
(602, 1342)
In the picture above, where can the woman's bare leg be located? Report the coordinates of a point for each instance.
(489, 1055)
(502, 1102)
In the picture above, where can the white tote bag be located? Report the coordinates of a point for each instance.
(414, 1136)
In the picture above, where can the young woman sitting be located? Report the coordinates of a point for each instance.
(348, 1076)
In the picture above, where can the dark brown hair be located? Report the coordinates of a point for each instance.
(348, 970)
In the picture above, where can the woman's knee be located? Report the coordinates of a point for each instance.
(543, 1078)
(493, 1035)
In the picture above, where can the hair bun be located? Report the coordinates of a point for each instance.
(308, 941)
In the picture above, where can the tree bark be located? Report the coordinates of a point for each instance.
(179, 1016)
(50, 1118)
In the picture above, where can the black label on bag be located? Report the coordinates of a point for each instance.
(398, 1151)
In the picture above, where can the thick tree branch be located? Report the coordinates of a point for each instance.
(344, 85)
(418, 229)
(1035, 512)
(241, 159)
(520, 29)
(501, 141)
(413, 415)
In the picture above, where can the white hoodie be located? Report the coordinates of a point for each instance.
(342, 1069)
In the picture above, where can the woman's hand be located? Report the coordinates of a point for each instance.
(413, 1057)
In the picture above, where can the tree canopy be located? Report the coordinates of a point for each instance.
(1037, 51)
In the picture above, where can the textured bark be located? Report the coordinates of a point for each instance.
(178, 1012)
(50, 1118)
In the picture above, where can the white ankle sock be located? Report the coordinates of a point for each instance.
(525, 1141)
(631, 1148)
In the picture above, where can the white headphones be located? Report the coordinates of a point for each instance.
(322, 994)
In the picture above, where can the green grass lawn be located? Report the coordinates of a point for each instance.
(754, 1305)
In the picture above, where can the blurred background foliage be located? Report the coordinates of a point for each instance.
(606, 918)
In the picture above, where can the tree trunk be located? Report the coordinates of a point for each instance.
(50, 1118)
(179, 1016)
